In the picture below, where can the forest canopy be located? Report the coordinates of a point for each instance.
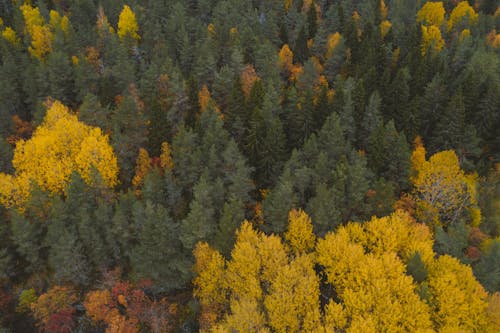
(250, 166)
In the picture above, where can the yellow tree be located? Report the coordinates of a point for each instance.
(268, 288)
(59, 146)
(375, 292)
(300, 233)
(459, 301)
(209, 285)
(127, 24)
(10, 35)
(285, 57)
(431, 39)
(331, 44)
(442, 190)
(298, 284)
(41, 34)
(431, 13)
(463, 11)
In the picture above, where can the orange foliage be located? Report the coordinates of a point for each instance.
(142, 166)
(125, 308)
(204, 98)
(286, 58)
(493, 39)
(53, 301)
(248, 78)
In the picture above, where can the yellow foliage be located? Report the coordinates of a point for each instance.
(127, 24)
(209, 284)
(273, 256)
(385, 26)
(10, 35)
(431, 38)
(243, 270)
(13, 190)
(398, 233)
(288, 4)
(331, 44)
(335, 317)
(166, 161)
(32, 17)
(58, 22)
(142, 166)
(464, 34)
(54, 19)
(383, 10)
(41, 34)
(300, 233)
(41, 41)
(494, 311)
(286, 57)
(299, 285)
(373, 285)
(233, 31)
(58, 147)
(462, 11)
(204, 98)
(74, 60)
(246, 316)
(265, 289)
(431, 13)
(211, 29)
(459, 301)
(441, 188)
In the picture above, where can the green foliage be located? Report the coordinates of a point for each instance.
(265, 106)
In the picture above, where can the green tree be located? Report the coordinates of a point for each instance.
(158, 252)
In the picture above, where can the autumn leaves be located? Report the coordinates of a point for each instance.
(60, 146)
(359, 278)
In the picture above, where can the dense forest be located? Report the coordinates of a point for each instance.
(249, 166)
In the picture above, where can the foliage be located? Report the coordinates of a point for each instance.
(443, 192)
(129, 132)
(364, 264)
(127, 24)
(59, 146)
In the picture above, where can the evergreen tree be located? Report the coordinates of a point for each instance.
(200, 223)
(158, 252)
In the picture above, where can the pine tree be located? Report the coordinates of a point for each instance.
(158, 254)
(200, 224)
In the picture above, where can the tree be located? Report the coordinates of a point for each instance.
(462, 11)
(55, 300)
(442, 190)
(59, 146)
(431, 39)
(388, 154)
(431, 13)
(458, 301)
(129, 132)
(300, 234)
(298, 283)
(127, 24)
(157, 255)
(209, 285)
